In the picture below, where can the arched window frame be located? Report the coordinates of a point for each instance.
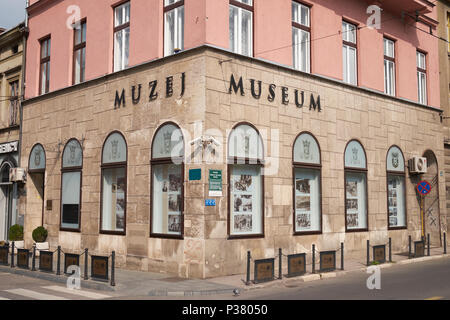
(167, 161)
(310, 166)
(362, 171)
(39, 171)
(398, 174)
(114, 165)
(244, 160)
(72, 169)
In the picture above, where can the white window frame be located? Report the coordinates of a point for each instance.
(121, 60)
(237, 45)
(301, 52)
(422, 77)
(389, 64)
(174, 34)
(349, 37)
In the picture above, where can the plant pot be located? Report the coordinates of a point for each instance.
(41, 246)
(19, 244)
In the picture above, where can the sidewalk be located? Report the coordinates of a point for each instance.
(135, 283)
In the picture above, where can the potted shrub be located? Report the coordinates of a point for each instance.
(16, 235)
(40, 236)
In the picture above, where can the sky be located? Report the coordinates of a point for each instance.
(12, 12)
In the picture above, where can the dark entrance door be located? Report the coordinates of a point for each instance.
(431, 204)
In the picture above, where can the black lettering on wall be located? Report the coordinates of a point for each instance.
(254, 94)
(297, 102)
(133, 96)
(271, 96)
(153, 94)
(119, 100)
(285, 95)
(183, 85)
(315, 103)
(235, 87)
(169, 86)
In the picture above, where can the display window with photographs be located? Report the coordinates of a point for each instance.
(307, 185)
(72, 164)
(245, 182)
(396, 192)
(114, 185)
(355, 187)
(167, 200)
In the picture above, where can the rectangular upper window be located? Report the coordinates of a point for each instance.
(121, 36)
(389, 67)
(349, 51)
(241, 27)
(301, 36)
(173, 26)
(422, 77)
(79, 52)
(44, 74)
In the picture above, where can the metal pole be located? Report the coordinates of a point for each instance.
(422, 216)
(58, 262)
(428, 244)
(280, 256)
(390, 249)
(445, 243)
(368, 253)
(86, 260)
(342, 256)
(113, 268)
(33, 263)
(248, 268)
(409, 247)
(313, 258)
(12, 254)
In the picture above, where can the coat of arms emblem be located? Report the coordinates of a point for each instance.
(395, 162)
(306, 149)
(37, 158)
(167, 142)
(114, 149)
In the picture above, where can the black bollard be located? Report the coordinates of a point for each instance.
(390, 250)
(342, 256)
(368, 253)
(445, 243)
(113, 268)
(58, 262)
(12, 255)
(428, 244)
(313, 258)
(409, 247)
(86, 260)
(247, 282)
(280, 256)
(33, 262)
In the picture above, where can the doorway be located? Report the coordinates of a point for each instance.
(431, 203)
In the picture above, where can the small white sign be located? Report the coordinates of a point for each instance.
(9, 147)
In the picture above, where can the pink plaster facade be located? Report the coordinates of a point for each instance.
(206, 22)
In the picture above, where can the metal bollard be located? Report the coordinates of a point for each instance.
(409, 247)
(390, 249)
(342, 256)
(58, 262)
(33, 262)
(12, 254)
(280, 256)
(86, 260)
(445, 243)
(113, 268)
(247, 282)
(428, 244)
(313, 258)
(368, 253)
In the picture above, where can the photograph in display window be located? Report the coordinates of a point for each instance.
(243, 223)
(120, 203)
(174, 202)
(303, 203)
(244, 184)
(392, 202)
(174, 182)
(174, 223)
(243, 203)
(303, 221)
(303, 186)
(352, 220)
(352, 189)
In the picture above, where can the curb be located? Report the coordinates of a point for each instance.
(189, 293)
(85, 284)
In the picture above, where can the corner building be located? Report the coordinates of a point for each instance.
(216, 131)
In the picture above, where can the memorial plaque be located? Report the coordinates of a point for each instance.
(71, 260)
(327, 261)
(264, 270)
(99, 268)
(419, 249)
(379, 253)
(23, 258)
(4, 252)
(46, 261)
(296, 265)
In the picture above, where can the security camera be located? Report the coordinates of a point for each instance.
(213, 140)
(198, 140)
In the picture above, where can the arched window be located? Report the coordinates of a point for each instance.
(114, 185)
(307, 185)
(36, 170)
(245, 182)
(71, 168)
(355, 187)
(167, 172)
(396, 188)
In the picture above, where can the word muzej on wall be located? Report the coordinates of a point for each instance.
(235, 86)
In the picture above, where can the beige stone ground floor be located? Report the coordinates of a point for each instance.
(309, 162)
